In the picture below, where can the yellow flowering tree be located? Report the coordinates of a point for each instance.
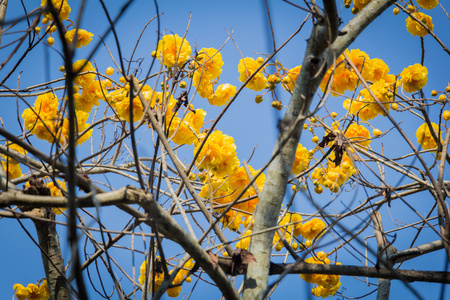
(142, 156)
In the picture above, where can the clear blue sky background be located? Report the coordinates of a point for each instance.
(250, 124)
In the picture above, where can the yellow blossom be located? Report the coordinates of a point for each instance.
(365, 106)
(43, 290)
(324, 285)
(359, 134)
(173, 49)
(362, 63)
(159, 277)
(90, 95)
(83, 37)
(205, 89)
(16, 148)
(425, 138)
(21, 292)
(209, 65)
(13, 170)
(63, 132)
(218, 154)
(415, 28)
(301, 160)
(332, 176)
(61, 6)
(414, 78)
(238, 180)
(291, 78)
(380, 69)
(310, 229)
(46, 106)
(55, 192)
(360, 4)
(34, 293)
(245, 241)
(85, 80)
(428, 4)
(246, 68)
(222, 95)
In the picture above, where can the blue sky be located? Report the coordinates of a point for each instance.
(250, 124)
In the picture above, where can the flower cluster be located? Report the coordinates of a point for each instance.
(246, 68)
(12, 166)
(181, 276)
(301, 160)
(343, 77)
(324, 285)
(414, 78)
(365, 106)
(32, 291)
(47, 123)
(225, 190)
(415, 28)
(332, 176)
(292, 229)
(425, 138)
(55, 191)
(172, 50)
(290, 78)
(62, 8)
(218, 155)
(428, 4)
(83, 37)
(358, 134)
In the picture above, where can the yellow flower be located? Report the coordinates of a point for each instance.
(360, 4)
(343, 78)
(247, 67)
(13, 170)
(222, 95)
(17, 148)
(365, 106)
(238, 180)
(415, 28)
(83, 37)
(181, 275)
(290, 230)
(312, 228)
(90, 95)
(46, 106)
(428, 4)
(43, 290)
(209, 65)
(186, 131)
(21, 292)
(218, 154)
(84, 80)
(159, 275)
(362, 63)
(55, 192)
(34, 293)
(245, 241)
(173, 49)
(425, 138)
(359, 134)
(380, 69)
(291, 78)
(301, 160)
(61, 6)
(325, 285)
(123, 109)
(414, 78)
(63, 132)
